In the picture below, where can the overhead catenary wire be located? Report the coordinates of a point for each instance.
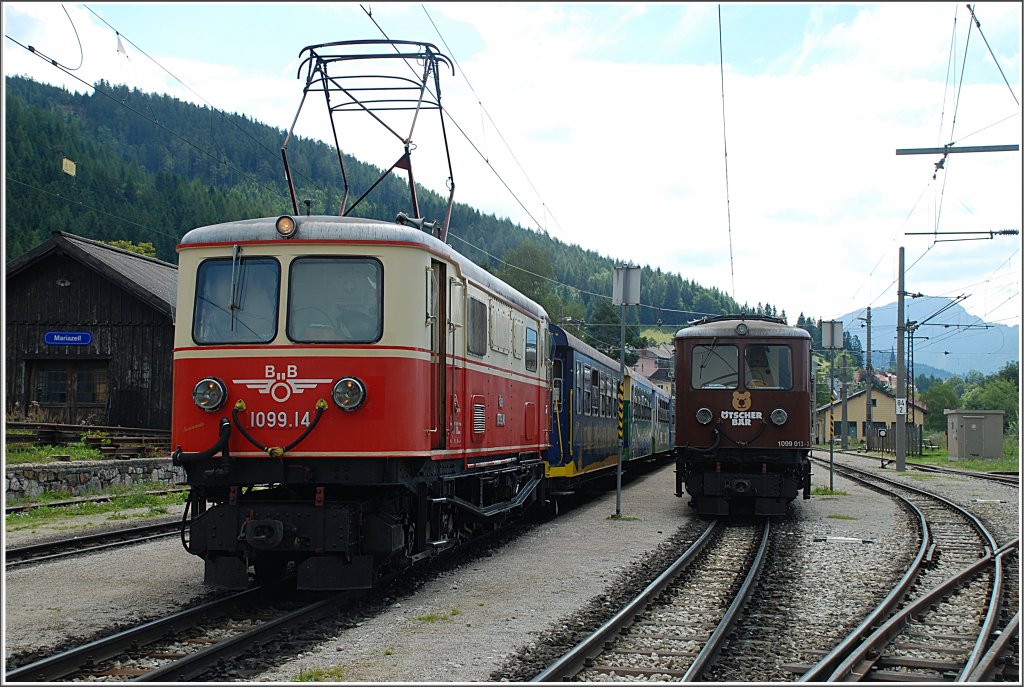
(68, 199)
(484, 111)
(951, 67)
(219, 111)
(725, 146)
(465, 135)
(992, 54)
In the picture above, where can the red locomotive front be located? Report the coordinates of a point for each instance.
(350, 396)
(743, 414)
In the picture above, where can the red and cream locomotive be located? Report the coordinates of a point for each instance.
(351, 395)
(743, 414)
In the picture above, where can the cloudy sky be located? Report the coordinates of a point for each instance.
(603, 125)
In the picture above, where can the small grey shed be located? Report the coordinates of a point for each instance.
(974, 433)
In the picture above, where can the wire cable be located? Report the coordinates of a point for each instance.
(993, 55)
(484, 110)
(725, 146)
(176, 78)
(67, 199)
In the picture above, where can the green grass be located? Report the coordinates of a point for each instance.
(624, 518)
(131, 498)
(22, 455)
(1004, 464)
(825, 491)
(331, 674)
(660, 335)
(446, 617)
(843, 517)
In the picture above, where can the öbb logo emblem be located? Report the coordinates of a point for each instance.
(281, 385)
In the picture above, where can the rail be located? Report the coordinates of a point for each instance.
(855, 657)
(572, 661)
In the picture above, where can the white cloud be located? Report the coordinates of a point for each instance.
(627, 159)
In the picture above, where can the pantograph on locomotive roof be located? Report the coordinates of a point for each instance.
(405, 72)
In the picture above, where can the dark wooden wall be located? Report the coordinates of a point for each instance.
(133, 336)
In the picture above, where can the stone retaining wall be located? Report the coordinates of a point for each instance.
(86, 477)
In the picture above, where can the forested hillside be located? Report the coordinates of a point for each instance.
(149, 168)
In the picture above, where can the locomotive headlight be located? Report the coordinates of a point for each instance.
(779, 416)
(349, 393)
(742, 329)
(210, 394)
(705, 416)
(285, 226)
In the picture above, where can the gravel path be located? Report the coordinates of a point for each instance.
(497, 617)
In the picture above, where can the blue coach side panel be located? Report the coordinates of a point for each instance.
(584, 418)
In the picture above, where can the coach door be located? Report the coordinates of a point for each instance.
(437, 320)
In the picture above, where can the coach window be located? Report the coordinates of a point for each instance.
(595, 396)
(586, 390)
(579, 388)
(477, 327)
(236, 301)
(604, 395)
(335, 299)
(531, 349)
(767, 367)
(714, 367)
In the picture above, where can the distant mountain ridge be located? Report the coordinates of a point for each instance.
(957, 341)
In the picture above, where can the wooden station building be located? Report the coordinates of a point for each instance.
(89, 335)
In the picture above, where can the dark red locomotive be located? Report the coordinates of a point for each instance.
(743, 414)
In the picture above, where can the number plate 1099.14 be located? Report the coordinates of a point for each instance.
(279, 419)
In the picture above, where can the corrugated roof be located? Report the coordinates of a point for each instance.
(156, 277)
(154, 281)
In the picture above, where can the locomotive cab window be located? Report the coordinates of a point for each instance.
(714, 367)
(236, 301)
(767, 367)
(335, 299)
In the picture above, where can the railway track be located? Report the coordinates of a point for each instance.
(100, 498)
(185, 644)
(675, 627)
(945, 618)
(63, 548)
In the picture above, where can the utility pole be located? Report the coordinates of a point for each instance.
(901, 379)
(871, 380)
(831, 338)
(845, 424)
(625, 291)
(901, 375)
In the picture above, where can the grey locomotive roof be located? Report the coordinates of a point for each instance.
(727, 328)
(152, 280)
(335, 228)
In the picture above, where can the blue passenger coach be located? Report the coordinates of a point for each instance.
(584, 413)
(584, 440)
